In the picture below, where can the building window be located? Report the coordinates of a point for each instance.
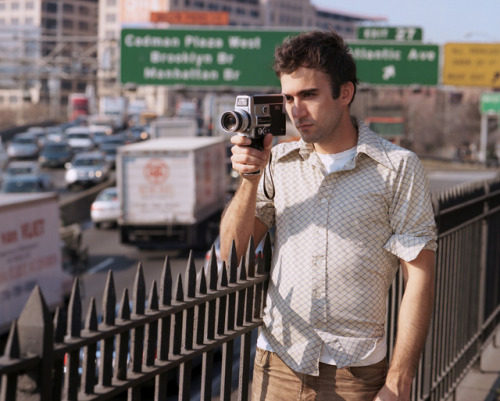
(83, 10)
(13, 99)
(14, 6)
(68, 8)
(50, 23)
(67, 23)
(29, 5)
(83, 26)
(111, 3)
(2, 6)
(14, 21)
(29, 21)
(51, 7)
(110, 17)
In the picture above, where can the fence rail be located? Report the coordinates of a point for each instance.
(206, 324)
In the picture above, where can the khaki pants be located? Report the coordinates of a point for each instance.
(274, 381)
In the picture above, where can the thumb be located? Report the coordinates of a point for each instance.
(268, 142)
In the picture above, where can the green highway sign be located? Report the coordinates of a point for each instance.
(490, 103)
(396, 64)
(398, 34)
(199, 57)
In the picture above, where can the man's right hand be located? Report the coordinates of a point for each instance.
(248, 161)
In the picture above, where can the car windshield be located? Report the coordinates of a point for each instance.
(13, 170)
(87, 162)
(107, 196)
(24, 141)
(78, 136)
(21, 186)
(109, 150)
(56, 147)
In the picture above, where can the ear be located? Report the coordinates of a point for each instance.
(346, 92)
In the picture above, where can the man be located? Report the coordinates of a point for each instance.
(349, 208)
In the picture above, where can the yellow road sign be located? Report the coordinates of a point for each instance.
(472, 64)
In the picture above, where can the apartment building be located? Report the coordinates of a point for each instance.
(50, 50)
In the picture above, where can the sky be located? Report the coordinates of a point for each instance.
(442, 21)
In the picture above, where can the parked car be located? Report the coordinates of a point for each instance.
(23, 183)
(99, 136)
(23, 146)
(116, 139)
(55, 134)
(55, 154)
(22, 167)
(80, 138)
(25, 168)
(87, 168)
(4, 158)
(40, 134)
(109, 150)
(139, 133)
(106, 207)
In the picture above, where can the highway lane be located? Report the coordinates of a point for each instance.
(445, 179)
(107, 253)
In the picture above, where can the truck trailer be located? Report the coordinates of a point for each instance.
(172, 192)
(30, 253)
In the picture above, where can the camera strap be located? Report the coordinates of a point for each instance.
(266, 193)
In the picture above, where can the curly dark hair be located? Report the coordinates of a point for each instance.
(322, 50)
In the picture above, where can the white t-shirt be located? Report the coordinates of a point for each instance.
(332, 163)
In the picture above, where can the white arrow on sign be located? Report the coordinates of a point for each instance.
(389, 72)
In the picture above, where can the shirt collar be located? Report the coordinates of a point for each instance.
(369, 143)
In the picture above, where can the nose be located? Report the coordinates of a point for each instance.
(298, 109)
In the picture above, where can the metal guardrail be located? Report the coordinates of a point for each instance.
(204, 319)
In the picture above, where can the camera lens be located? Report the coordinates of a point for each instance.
(234, 121)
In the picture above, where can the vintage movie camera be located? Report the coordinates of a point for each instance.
(255, 116)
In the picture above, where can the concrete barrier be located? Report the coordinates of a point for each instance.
(76, 209)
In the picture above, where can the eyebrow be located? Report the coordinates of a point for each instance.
(303, 92)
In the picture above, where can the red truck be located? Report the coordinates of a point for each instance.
(78, 105)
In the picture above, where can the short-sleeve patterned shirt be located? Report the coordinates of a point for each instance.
(338, 241)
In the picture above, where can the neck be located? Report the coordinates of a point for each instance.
(344, 138)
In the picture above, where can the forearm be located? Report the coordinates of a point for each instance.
(413, 324)
(238, 220)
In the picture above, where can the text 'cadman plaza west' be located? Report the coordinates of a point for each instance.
(208, 58)
(243, 58)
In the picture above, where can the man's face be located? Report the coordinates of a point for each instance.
(310, 105)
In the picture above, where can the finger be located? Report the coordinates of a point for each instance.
(240, 140)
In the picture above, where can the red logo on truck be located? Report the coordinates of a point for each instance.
(156, 171)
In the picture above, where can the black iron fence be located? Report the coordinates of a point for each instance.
(187, 336)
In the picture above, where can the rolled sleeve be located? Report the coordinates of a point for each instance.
(408, 247)
(412, 218)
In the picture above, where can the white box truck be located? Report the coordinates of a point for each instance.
(30, 253)
(165, 127)
(172, 192)
(117, 108)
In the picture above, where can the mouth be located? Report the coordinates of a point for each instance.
(302, 126)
